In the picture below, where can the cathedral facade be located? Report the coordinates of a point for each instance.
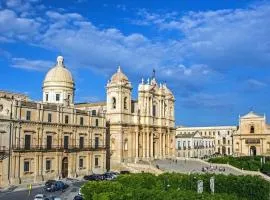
(142, 129)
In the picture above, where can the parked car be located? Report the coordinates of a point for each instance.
(94, 177)
(78, 197)
(55, 186)
(48, 182)
(110, 176)
(50, 187)
(124, 172)
(41, 197)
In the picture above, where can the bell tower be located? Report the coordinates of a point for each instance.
(119, 98)
(118, 114)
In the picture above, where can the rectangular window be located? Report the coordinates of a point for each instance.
(49, 142)
(27, 142)
(81, 121)
(96, 122)
(49, 117)
(57, 97)
(66, 119)
(28, 115)
(26, 166)
(96, 161)
(47, 97)
(96, 142)
(81, 142)
(68, 97)
(94, 112)
(48, 165)
(81, 163)
(154, 110)
(66, 142)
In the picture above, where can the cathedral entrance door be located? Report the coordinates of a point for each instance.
(64, 167)
(253, 151)
(223, 150)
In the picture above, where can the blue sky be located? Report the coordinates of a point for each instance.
(214, 55)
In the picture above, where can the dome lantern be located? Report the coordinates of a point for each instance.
(58, 85)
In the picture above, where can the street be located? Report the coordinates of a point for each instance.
(69, 194)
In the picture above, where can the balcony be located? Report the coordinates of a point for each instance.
(58, 148)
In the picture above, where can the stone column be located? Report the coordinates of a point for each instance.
(160, 145)
(147, 144)
(152, 145)
(168, 144)
(143, 144)
(163, 145)
(136, 146)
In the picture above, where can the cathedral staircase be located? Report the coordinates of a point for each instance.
(139, 168)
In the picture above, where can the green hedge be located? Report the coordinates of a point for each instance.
(176, 186)
(246, 162)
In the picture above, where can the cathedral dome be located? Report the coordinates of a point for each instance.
(59, 76)
(119, 76)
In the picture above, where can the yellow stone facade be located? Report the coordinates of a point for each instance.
(50, 139)
(252, 136)
(142, 129)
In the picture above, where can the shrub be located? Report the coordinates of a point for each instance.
(173, 186)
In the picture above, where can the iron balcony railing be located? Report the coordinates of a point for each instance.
(69, 148)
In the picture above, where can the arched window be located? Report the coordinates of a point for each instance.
(126, 145)
(252, 129)
(237, 145)
(125, 103)
(113, 103)
(154, 110)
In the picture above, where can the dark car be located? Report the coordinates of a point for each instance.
(50, 187)
(55, 186)
(124, 172)
(94, 177)
(61, 185)
(49, 182)
(78, 197)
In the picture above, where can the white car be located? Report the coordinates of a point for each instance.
(40, 197)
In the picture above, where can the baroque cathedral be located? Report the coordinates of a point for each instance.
(57, 138)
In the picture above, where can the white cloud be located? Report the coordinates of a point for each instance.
(20, 27)
(38, 65)
(220, 38)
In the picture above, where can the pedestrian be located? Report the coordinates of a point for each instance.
(176, 161)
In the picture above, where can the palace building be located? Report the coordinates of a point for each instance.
(222, 136)
(50, 139)
(253, 136)
(194, 145)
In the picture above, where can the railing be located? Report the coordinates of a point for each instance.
(69, 148)
(3, 150)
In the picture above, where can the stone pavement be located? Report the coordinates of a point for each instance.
(192, 166)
